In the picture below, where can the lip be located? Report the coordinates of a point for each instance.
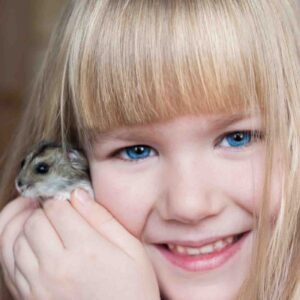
(202, 263)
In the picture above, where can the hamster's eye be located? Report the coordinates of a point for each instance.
(22, 163)
(42, 168)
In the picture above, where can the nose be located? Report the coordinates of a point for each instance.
(191, 193)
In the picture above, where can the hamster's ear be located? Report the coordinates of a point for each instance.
(78, 160)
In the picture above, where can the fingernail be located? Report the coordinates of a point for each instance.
(82, 196)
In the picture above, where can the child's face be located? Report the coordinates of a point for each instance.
(188, 188)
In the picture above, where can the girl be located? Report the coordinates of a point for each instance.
(189, 114)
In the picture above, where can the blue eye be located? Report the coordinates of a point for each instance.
(137, 152)
(238, 139)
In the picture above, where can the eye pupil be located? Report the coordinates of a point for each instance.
(42, 168)
(239, 136)
(139, 150)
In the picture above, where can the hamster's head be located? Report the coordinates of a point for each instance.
(48, 169)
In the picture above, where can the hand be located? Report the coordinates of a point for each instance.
(72, 251)
(19, 210)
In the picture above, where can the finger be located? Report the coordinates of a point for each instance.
(11, 286)
(73, 230)
(25, 259)
(102, 220)
(22, 285)
(42, 236)
(9, 235)
(13, 208)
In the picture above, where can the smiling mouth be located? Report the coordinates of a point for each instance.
(216, 246)
(203, 257)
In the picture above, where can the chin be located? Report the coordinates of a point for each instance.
(200, 294)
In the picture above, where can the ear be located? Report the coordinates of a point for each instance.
(78, 160)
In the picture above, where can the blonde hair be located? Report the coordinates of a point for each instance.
(115, 63)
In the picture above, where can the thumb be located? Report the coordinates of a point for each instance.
(103, 221)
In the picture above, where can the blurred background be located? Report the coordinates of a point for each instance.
(25, 28)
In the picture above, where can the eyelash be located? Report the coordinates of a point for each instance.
(254, 136)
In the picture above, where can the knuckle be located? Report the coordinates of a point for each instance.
(55, 274)
(65, 271)
(49, 270)
(90, 254)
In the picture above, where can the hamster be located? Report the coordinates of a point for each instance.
(50, 172)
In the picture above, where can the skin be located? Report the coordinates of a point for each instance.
(47, 253)
(190, 185)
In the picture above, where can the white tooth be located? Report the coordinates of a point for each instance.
(229, 240)
(171, 246)
(203, 250)
(192, 251)
(180, 250)
(219, 245)
(206, 249)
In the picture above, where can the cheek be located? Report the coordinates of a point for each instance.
(258, 172)
(245, 184)
(128, 197)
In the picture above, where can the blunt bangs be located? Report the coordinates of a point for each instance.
(141, 62)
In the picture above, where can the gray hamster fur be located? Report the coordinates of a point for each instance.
(48, 171)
